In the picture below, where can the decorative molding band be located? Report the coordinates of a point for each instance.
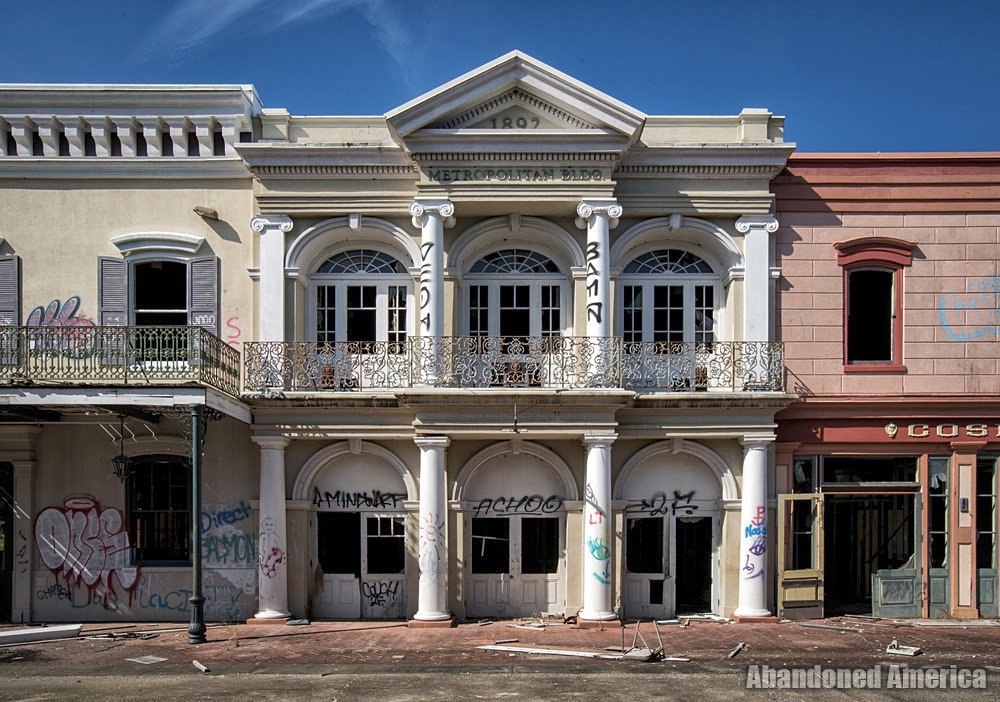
(768, 171)
(768, 223)
(329, 170)
(515, 95)
(157, 242)
(521, 156)
(260, 223)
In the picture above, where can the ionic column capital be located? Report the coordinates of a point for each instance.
(587, 209)
(262, 223)
(421, 209)
(599, 440)
(276, 443)
(440, 442)
(758, 441)
(767, 223)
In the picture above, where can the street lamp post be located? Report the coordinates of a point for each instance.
(196, 630)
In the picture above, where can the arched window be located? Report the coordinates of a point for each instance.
(361, 295)
(515, 293)
(668, 295)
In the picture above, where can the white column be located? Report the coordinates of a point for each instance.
(754, 572)
(598, 594)
(432, 603)
(757, 299)
(431, 217)
(272, 559)
(271, 289)
(599, 217)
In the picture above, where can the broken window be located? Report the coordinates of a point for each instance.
(644, 545)
(490, 545)
(539, 545)
(870, 469)
(803, 520)
(937, 518)
(159, 509)
(386, 547)
(986, 476)
(339, 542)
(804, 474)
(161, 293)
(871, 311)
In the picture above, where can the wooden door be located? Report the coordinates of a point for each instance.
(800, 546)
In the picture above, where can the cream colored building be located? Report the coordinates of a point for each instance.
(504, 350)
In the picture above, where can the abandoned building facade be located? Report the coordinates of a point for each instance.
(513, 348)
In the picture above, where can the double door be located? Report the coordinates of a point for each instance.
(668, 566)
(515, 566)
(362, 566)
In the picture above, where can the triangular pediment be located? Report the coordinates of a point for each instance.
(515, 109)
(519, 88)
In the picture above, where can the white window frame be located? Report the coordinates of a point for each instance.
(153, 257)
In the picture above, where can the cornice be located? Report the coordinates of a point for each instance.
(486, 157)
(75, 167)
(335, 171)
(738, 170)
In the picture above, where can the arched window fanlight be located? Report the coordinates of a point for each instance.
(514, 261)
(668, 261)
(365, 261)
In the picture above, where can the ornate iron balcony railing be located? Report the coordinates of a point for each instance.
(514, 362)
(118, 356)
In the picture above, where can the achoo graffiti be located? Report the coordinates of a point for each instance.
(529, 504)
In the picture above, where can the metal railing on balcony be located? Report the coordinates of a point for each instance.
(514, 362)
(118, 356)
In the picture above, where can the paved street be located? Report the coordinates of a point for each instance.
(343, 660)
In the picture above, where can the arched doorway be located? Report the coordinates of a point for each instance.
(358, 492)
(671, 529)
(513, 498)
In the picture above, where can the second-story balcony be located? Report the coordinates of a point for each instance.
(117, 355)
(514, 362)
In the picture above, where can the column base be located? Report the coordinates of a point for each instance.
(431, 623)
(612, 623)
(268, 620)
(745, 619)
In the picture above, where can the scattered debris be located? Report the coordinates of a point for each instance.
(503, 641)
(484, 622)
(535, 627)
(39, 634)
(676, 659)
(895, 648)
(298, 622)
(398, 658)
(146, 660)
(741, 646)
(615, 649)
(553, 652)
(643, 655)
(955, 622)
(831, 627)
(201, 666)
(123, 636)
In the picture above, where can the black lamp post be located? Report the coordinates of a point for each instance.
(196, 629)
(121, 463)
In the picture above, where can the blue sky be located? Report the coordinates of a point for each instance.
(880, 75)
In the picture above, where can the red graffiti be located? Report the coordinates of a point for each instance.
(269, 563)
(759, 517)
(86, 545)
(595, 518)
(233, 331)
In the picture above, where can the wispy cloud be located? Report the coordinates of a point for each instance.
(193, 23)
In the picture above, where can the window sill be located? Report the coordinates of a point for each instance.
(874, 368)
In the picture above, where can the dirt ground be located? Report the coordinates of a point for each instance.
(392, 647)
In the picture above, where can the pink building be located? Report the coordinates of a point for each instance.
(888, 305)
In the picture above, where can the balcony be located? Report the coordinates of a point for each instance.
(514, 362)
(85, 355)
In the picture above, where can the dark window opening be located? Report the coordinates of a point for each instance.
(386, 546)
(803, 517)
(644, 545)
(339, 542)
(116, 144)
(804, 475)
(515, 310)
(938, 510)
(141, 147)
(193, 147)
(159, 506)
(694, 564)
(361, 313)
(37, 148)
(161, 293)
(491, 545)
(11, 145)
(89, 145)
(246, 137)
(986, 513)
(63, 144)
(166, 144)
(656, 592)
(870, 315)
(539, 545)
(869, 469)
(218, 144)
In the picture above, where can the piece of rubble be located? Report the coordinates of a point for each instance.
(736, 651)
(898, 650)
